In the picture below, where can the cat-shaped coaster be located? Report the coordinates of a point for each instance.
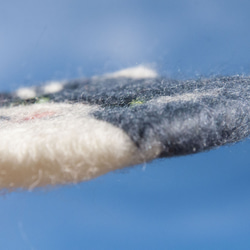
(70, 131)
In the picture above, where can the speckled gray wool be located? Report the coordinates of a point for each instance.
(192, 117)
(182, 116)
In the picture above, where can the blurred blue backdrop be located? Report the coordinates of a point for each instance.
(193, 202)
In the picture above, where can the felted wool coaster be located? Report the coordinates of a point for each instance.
(66, 132)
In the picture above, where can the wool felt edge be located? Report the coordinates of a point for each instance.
(66, 132)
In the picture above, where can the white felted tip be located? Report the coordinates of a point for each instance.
(138, 72)
(26, 93)
(53, 87)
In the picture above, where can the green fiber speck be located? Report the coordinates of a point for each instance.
(42, 100)
(136, 102)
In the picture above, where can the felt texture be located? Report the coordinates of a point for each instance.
(70, 131)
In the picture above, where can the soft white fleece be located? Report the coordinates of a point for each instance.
(46, 144)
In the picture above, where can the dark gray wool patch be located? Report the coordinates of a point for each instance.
(182, 116)
(195, 116)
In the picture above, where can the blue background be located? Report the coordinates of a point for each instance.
(194, 202)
